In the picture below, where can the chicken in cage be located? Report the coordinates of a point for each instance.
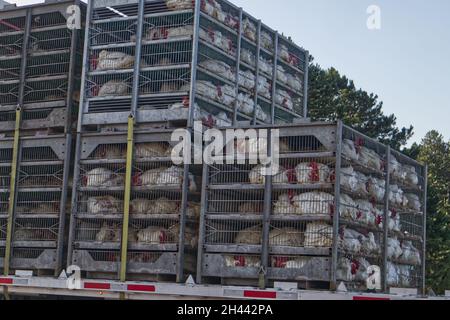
(113, 88)
(284, 99)
(410, 254)
(414, 202)
(249, 29)
(110, 232)
(376, 188)
(258, 176)
(287, 56)
(312, 172)
(318, 234)
(348, 208)
(179, 4)
(114, 60)
(102, 177)
(219, 40)
(104, 205)
(397, 197)
(286, 237)
(170, 177)
(411, 175)
(214, 9)
(349, 150)
(394, 248)
(220, 68)
(243, 261)
(394, 223)
(267, 41)
(159, 206)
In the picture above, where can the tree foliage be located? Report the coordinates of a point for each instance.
(435, 151)
(333, 96)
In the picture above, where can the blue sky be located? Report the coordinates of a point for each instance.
(407, 62)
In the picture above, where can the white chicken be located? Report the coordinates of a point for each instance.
(312, 203)
(370, 158)
(411, 175)
(286, 237)
(250, 236)
(151, 149)
(414, 202)
(179, 4)
(242, 261)
(103, 205)
(220, 68)
(410, 254)
(114, 61)
(101, 177)
(394, 249)
(350, 240)
(113, 88)
(318, 235)
(285, 206)
(256, 176)
(284, 99)
(348, 208)
(376, 188)
(153, 235)
(312, 172)
(349, 149)
(349, 178)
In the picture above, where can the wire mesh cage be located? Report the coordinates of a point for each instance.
(163, 207)
(330, 213)
(39, 65)
(38, 204)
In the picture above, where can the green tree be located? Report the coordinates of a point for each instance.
(435, 151)
(333, 96)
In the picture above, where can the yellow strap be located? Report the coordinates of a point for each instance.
(12, 192)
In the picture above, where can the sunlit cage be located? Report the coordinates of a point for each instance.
(38, 204)
(175, 62)
(40, 65)
(330, 214)
(163, 209)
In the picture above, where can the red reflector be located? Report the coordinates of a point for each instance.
(138, 287)
(95, 285)
(260, 294)
(6, 281)
(360, 298)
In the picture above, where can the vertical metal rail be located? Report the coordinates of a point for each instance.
(68, 152)
(130, 145)
(195, 50)
(137, 60)
(183, 209)
(337, 202)
(126, 200)
(384, 268)
(12, 193)
(266, 221)
(201, 236)
(238, 65)
(274, 78)
(424, 252)
(258, 54)
(76, 170)
(305, 85)
(16, 148)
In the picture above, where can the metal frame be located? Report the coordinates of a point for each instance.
(331, 136)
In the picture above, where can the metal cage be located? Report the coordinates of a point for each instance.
(163, 215)
(340, 204)
(40, 66)
(39, 203)
(175, 62)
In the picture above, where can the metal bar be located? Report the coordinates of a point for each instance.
(184, 202)
(72, 68)
(204, 201)
(137, 61)
(62, 205)
(127, 199)
(85, 66)
(195, 51)
(12, 192)
(305, 85)
(238, 65)
(258, 54)
(424, 253)
(266, 221)
(76, 171)
(337, 200)
(386, 218)
(23, 65)
(274, 78)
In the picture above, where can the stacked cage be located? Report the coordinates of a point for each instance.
(341, 208)
(194, 60)
(163, 208)
(382, 214)
(244, 71)
(40, 66)
(136, 82)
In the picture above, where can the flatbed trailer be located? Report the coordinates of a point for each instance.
(111, 290)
